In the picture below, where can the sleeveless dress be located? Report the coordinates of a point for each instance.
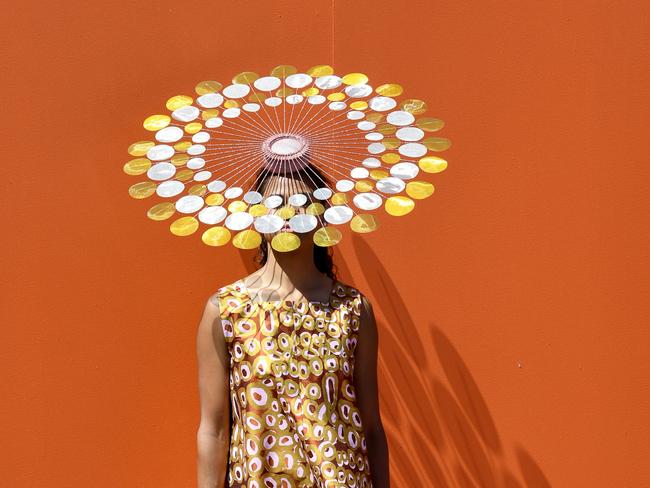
(294, 420)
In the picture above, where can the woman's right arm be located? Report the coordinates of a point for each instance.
(213, 435)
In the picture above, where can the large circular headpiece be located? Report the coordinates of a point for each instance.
(211, 152)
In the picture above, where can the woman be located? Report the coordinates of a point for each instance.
(287, 361)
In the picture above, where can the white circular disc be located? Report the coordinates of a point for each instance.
(371, 163)
(390, 184)
(273, 101)
(338, 214)
(169, 134)
(189, 203)
(400, 117)
(268, 223)
(355, 115)
(214, 122)
(160, 152)
(186, 114)
(298, 80)
(216, 186)
(196, 163)
(376, 148)
(267, 83)
(195, 149)
(328, 82)
(251, 107)
(273, 201)
(212, 215)
(303, 223)
(374, 136)
(367, 200)
(381, 104)
(286, 146)
(239, 220)
(297, 199)
(358, 91)
(202, 175)
(170, 188)
(409, 134)
(201, 137)
(366, 125)
(322, 193)
(359, 173)
(344, 185)
(231, 113)
(337, 105)
(210, 100)
(238, 90)
(316, 99)
(405, 171)
(233, 192)
(253, 197)
(294, 99)
(412, 149)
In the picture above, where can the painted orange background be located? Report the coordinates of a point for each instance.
(513, 325)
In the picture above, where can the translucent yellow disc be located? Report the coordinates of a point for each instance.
(429, 124)
(414, 106)
(286, 212)
(364, 185)
(419, 189)
(209, 113)
(283, 71)
(386, 129)
(432, 164)
(231, 104)
(437, 143)
(336, 97)
(374, 117)
(182, 146)
(143, 189)
(214, 199)
(315, 209)
(179, 159)
(310, 92)
(137, 166)
(209, 86)
(320, 70)
(247, 239)
(199, 190)
(257, 97)
(161, 211)
(179, 101)
(378, 174)
(283, 92)
(216, 236)
(339, 198)
(237, 206)
(258, 209)
(285, 241)
(391, 142)
(327, 236)
(359, 105)
(354, 78)
(390, 158)
(246, 77)
(193, 127)
(363, 223)
(184, 226)
(140, 148)
(390, 90)
(184, 175)
(156, 122)
(399, 205)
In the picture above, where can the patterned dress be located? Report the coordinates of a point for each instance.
(294, 420)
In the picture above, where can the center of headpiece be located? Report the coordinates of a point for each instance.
(285, 152)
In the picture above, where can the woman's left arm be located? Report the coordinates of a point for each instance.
(365, 385)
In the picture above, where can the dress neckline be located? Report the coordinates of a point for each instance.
(327, 303)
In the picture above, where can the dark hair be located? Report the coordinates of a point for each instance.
(323, 256)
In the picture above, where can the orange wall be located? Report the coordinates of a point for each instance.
(513, 350)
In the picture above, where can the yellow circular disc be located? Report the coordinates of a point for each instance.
(310, 92)
(390, 158)
(327, 236)
(359, 105)
(286, 212)
(429, 124)
(257, 210)
(137, 166)
(179, 159)
(390, 90)
(283, 71)
(386, 129)
(414, 106)
(214, 199)
(399, 205)
(363, 223)
(283, 92)
(419, 189)
(247, 239)
(285, 241)
(237, 206)
(378, 174)
(199, 190)
(315, 208)
(184, 226)
(245, 78)
(320, 70)
(374, 117)
(179, 101)
(140, 148)
(156, 122)
(216, 236)
(193, 127)
(339, 198)
(231, 104)
(432, 164)
(364, 185)
(182, 146)
(354, 78)
(437, 143)
(143, 189)
(257, 97)
(336, 97)
(391, 142)
(209, 113)
(209, 86)
(184, 175)
(161, 211)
